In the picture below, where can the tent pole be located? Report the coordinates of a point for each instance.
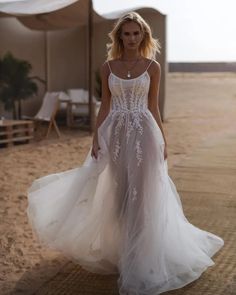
(46, 59)
(90, 65)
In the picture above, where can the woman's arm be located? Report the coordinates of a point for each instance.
(104, 108)
(154, 93)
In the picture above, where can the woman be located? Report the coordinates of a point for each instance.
(120, 212)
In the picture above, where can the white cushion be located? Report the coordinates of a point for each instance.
(63, 96)
(80, 95)
(76, 95)
(86, 97)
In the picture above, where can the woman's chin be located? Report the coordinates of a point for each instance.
(130, 47)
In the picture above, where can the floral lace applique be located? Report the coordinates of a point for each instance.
(138, 152)
(137, 119)
(134, 194)
(116, 151)
(131, 121)
(129, 106)
(130, 128)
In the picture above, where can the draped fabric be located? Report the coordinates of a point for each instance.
(59, 14)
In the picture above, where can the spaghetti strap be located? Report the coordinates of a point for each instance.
(149, 64)
(109, 66)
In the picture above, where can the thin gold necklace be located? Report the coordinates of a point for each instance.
(129, 70)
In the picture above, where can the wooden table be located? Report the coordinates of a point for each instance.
(12, 131)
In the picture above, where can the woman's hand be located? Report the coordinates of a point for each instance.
(165, 152)
(95, 147)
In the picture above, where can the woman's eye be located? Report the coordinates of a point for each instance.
(128, 34)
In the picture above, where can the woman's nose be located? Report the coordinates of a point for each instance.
(132, 37)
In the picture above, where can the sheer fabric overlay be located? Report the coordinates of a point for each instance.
(121, 213)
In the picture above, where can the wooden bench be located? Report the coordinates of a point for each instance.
(12, 131)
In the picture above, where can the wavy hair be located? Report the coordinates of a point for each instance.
(148, 47)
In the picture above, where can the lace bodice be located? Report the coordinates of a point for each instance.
(129, 95)
(129, 107)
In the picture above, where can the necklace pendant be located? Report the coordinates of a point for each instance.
(128, 74)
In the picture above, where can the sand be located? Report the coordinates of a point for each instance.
(199, 107)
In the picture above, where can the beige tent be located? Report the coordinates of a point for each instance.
(61, 55)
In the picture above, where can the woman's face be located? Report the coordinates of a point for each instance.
(131, 35)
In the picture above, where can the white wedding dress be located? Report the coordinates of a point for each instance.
(121, 213)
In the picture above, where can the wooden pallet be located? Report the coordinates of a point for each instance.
(13, 131)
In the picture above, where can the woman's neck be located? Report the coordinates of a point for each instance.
(130, 55)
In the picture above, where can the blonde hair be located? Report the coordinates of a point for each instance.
(148, 47)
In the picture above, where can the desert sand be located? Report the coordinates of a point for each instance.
(199, 107)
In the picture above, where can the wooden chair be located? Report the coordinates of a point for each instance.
(48, 111)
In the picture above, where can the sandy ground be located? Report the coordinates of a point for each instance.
(199, 107)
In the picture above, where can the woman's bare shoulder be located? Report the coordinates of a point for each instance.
(155, 67)
(108, 66)
(114, 60)
(111, 61)
(104, 68)
(153, 63)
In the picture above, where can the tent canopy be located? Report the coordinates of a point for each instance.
(56, 14)
(49, 15)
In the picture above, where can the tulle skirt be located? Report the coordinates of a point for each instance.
(121, 213)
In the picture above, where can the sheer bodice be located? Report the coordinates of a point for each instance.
(129, 114)
(129, 95)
